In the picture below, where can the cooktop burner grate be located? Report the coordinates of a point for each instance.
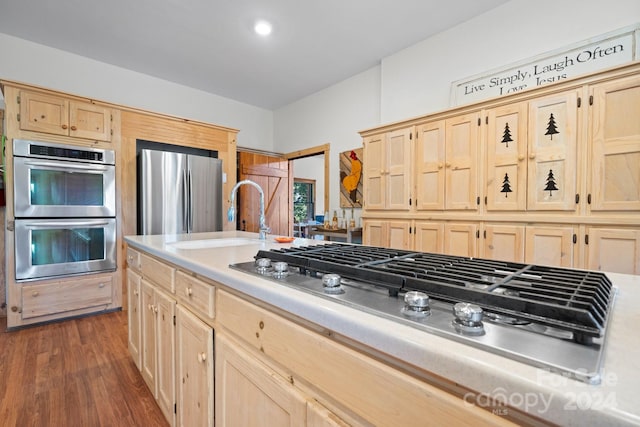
(573, 300)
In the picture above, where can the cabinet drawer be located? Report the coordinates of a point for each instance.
(133, 259)
(58, 297)
(199, 296)
(158, 272)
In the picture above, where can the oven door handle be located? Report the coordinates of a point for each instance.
(49, 224)
(66, 167)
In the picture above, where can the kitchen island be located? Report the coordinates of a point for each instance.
(472, 378)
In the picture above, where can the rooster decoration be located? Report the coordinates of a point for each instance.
(350, 181)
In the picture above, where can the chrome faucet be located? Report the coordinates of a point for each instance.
(264, 229)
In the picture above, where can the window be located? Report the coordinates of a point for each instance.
(304, 199)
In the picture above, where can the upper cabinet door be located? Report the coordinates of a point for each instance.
(373, 165)
(615, 146)
(398, 169)
(461, 162)
(429, 164)
(44, 113)
(387, 170)
(59, 116)
(552, 152)
(89, 121)
(506, 185)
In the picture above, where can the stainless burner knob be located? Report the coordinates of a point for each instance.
(468, 319)
(416, 304)
(263, 263)
(415, 299)
(331, 283)
(467, 313)
(280, 266)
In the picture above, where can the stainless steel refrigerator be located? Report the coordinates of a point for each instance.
(178, 193)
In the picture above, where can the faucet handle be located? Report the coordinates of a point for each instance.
(264, 231)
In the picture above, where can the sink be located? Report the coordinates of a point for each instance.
(212, 243)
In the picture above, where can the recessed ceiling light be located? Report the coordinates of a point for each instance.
(263, 28)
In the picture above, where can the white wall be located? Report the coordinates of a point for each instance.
(416, 81)
(333, 116)
(39, 65)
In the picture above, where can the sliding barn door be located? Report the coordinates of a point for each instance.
(272, 174)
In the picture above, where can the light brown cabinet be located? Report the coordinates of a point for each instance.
(552, 245)
(614, 183)
(506, 181)
(613, 249)
(158, 344)
(429, 165)
(429, 237)
(194, 370)
(552, 152)
(461, 239)
(549, 165)
(45, 113)
(248, 392)
(55, 297)
(446, 164)
(503, 242)
(134, 305)
(387, 170)
(390, 234)
(461, 162)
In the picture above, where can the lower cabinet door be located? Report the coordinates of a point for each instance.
(550, 245)
(248, 393)
(149, 336)
(165, 377)
(133, 314)
(615, 250)
(194, 370)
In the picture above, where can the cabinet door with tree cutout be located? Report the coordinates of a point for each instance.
(506, 185)
(553, 122)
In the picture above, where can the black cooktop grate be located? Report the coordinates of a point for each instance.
(573, 300)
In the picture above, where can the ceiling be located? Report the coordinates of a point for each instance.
(210, 44)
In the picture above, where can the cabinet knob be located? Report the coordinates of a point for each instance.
(155, 308)
(101, 285)
(440, 165)
(149, 307)
(35, 293)
(520, 157)
(64, 127)
(202, 357)
(135, 292)
(188, 291)
(448, 164)
(532, 156)
(74, 128)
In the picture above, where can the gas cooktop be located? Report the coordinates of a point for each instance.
(553, 318)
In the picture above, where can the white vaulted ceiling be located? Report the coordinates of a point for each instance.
(210, 44)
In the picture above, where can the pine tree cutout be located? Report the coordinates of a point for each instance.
(551, 127)
(551, 183)
(506, 185)
(506, 136)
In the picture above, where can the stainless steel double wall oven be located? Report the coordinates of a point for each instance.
(65, 209)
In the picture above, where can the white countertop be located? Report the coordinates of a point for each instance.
(560, 400)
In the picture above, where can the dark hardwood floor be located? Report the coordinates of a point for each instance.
(73, 373)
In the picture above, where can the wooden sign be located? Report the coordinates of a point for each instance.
(351, 178)
(595, 54)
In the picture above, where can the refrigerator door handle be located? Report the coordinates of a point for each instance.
(189, 203)
(186, 200)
